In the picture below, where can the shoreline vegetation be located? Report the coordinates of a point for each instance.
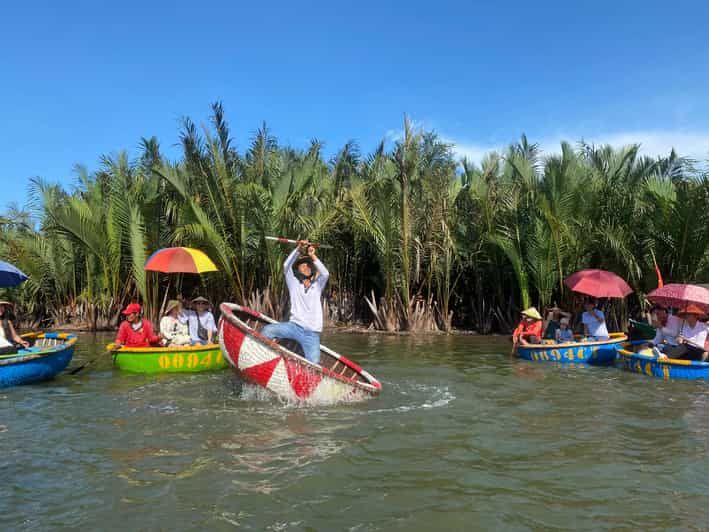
(422, 242)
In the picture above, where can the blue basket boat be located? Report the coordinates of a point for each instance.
(597, 353)
(663, 368)
(50, 354)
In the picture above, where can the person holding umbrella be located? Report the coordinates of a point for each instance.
(594, 321)
(692, 336)
(202, 326)
(667, 327)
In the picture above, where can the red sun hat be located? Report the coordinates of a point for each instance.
(692, 309)
(133, 308)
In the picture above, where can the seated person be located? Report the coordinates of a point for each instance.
(529, 330)
(135, 331)
(173, 325)
(594, 322)
(563, 333)
(552, 321)
(692, 336)
(202, 326)
(645, 350)
(666, 326)
(9, 339)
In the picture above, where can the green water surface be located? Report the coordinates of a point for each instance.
(462, 438)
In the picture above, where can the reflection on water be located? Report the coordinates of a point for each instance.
(462, 437)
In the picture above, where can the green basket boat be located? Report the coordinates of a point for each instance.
(178, 359)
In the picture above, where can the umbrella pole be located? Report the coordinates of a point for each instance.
(164, 299)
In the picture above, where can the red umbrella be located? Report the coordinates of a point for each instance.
(680, 295)
(598, 283)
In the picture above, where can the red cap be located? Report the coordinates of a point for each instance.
(133, 308)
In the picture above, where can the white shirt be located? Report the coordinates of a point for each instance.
(669, 332)
(305, 306)
(206, 319)
(3, 340)
(174, 330)
(696, 335)
(596, 328)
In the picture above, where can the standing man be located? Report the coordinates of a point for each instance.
(305, 287)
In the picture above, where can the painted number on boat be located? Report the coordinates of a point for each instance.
(190, 361)
(568, 354)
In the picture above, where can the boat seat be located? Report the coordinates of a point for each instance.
(292, 346)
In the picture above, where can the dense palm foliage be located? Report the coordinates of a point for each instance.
(420, 240)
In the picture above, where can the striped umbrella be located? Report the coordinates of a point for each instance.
(179, 260)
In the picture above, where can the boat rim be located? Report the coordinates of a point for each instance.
(166, 349)
(373, 385)
(68, 341)
(668, 361)
(614, 339)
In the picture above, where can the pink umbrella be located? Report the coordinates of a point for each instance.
(680, 295)
(598, 283)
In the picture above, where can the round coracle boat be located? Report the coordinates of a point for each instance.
(598, 352)
(171, 359)
(50, 354)
(663, 368)
(280, 367)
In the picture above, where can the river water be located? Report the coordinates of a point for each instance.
(461, 438)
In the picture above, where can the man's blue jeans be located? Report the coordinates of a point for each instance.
(308, 340)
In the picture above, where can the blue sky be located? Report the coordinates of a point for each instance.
(79, 79)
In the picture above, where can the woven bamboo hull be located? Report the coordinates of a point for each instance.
(178, 359)
(665, 368)
(282, 371)
(50, 355)
(595, 353)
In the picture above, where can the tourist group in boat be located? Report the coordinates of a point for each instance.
(675, 328)
(178, 326)
(532, 329)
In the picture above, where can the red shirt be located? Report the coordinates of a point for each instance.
(525, 329)
(129, 337)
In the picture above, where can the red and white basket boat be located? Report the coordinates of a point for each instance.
(280, 367)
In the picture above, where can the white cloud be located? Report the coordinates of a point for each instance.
(395, 135)
(652, 143)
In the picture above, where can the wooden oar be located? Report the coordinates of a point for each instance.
(111, 348)
(291, 241)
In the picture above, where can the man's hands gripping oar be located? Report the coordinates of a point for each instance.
(297, 242)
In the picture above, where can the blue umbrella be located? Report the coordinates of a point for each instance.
(10, 276)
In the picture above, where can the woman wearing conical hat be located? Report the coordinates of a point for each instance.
(529, 330)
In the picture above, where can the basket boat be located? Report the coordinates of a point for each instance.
(50, 354)
(663, 368)
(280, 367)
(177, 359)
(642, 330)
(596, 353)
